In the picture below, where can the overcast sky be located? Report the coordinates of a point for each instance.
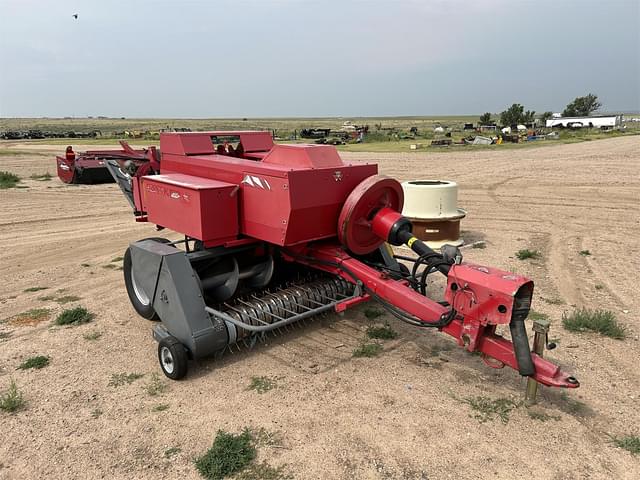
(252, 58)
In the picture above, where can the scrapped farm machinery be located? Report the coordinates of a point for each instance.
(276, 234)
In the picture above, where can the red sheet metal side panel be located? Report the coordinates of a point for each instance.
(307, 156)
(198, 207)
(265, 206)
(317, 196)
(199, 144)
(301, 207)
(137, 193)
(256, 141)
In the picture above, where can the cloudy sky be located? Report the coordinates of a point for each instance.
(260, 58)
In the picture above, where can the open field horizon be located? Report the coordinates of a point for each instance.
(386, 134)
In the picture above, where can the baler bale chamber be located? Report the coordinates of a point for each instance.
(276, 234)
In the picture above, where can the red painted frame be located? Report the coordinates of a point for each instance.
(475, 331)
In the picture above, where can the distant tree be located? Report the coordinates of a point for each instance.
(546, 116)
(485, 119)
(513, 115)
(582, 106)
(529, 116)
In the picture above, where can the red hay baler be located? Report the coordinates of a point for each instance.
(276, 234)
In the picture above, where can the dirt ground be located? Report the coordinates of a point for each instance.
(401, 415)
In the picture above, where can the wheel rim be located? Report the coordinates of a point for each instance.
(139, 292)
(166, 359)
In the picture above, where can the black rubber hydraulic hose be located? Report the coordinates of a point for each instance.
(423, 250)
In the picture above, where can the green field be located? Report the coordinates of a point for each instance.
(386, 134)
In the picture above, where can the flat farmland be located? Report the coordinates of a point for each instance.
(405, 414)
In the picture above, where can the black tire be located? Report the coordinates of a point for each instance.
(140, 303)
(173, 358)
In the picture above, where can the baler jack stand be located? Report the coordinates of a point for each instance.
(540, 341)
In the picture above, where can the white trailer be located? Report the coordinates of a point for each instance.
(597, 121)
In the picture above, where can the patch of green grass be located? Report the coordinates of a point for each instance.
(68, 299)
(368, 350)
(533, 315)
(598, 286)
(262, 384)
(600, 321)
(487, 409)
(229, 454)
(264, 471)
(117, 259)
(46, 298)
(37, 362)
(34, 289)
(119, 379)
(4, 335)
(161, 407)
(12, 399)
(91, 336)
(383, 333)
(155, 386)
(372, 313)
(8, 180)
(526, 253)
(74, 316)
(170, 452)
(631, 443)
(41, 177)
(541, 416)
(31, 317)
(11, 152)
(96, 412)
(584, 253)
(110, 266)
(553, 301)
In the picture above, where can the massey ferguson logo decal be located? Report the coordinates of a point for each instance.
(258, 182)
(337, 175)
(173, 194)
